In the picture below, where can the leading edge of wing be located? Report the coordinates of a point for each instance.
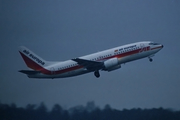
(90, 65)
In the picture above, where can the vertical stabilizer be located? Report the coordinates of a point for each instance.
(32, 60)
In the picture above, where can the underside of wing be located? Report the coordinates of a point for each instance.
(89, 65)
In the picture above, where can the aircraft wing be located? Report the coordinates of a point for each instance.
(90, 65)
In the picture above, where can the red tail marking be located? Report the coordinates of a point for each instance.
(31, 64)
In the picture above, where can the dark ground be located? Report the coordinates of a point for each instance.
(88, 112)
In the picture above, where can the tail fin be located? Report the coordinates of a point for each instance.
(32, 60)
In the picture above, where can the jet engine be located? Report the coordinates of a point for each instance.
(111, 64)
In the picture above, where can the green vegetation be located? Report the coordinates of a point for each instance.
(88, 112)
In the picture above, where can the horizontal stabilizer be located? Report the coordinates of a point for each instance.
(29, 72)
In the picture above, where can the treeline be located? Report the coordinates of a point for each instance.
(88, 112)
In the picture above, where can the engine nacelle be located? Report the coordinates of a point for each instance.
(114, 68)
(111, 64)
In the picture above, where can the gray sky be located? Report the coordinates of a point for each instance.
(58, 30)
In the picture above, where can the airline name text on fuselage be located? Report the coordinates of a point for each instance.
(34, 57)
(129, 47)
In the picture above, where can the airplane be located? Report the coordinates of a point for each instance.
(107, 60)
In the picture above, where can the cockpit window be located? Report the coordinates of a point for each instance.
(153, 43)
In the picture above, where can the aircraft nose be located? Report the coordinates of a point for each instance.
(162, 46)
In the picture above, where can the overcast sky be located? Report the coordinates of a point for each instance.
(58, 30)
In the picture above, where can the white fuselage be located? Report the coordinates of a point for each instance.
(124, 54)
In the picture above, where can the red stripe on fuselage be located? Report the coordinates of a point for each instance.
(156, 47)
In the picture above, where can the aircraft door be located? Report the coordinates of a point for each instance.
(52, 71)
(142, 47)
